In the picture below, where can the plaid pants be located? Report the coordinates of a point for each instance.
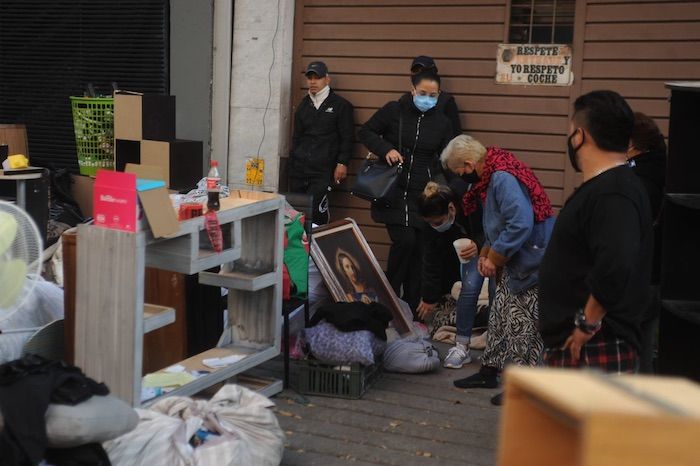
(609, 354)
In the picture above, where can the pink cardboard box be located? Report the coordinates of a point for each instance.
(115, 200)
(121, 199)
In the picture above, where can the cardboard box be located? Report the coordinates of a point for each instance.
(584, 418)
(138, 117)
(181, 160)
(120, 199)
(126, 151)
(115, 200)
(82, 191)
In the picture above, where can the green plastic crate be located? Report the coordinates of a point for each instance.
(93, 123)
(348, 381)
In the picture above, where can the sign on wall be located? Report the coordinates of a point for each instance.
(534, 64)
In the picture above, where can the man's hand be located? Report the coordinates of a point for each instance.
(487, 268)
(575, 342)
(425, 309)
(468, 252)
(393, 157)
(341, 172)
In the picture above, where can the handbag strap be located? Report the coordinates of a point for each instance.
(400, 131)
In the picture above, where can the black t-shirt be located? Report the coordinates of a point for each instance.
(601, 245)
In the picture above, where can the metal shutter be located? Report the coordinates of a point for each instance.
(50, 49)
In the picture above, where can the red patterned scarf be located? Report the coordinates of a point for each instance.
(500, 160)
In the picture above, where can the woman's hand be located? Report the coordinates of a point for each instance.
(487, 268)
(393, 157)
(469, 252)
(425, 309)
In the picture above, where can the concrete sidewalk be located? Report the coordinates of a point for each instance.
(402, 420)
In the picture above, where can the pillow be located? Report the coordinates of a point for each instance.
(332, 346)
(95, 420)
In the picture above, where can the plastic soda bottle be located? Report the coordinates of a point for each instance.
(213, 186)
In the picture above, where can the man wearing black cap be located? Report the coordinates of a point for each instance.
(446, 102)
(322, 141)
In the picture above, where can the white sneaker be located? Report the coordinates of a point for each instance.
(457, 356)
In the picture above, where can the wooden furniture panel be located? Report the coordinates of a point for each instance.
(579, 418)
(161, 347)
(15, 136)
(168, 344)
(109, 308)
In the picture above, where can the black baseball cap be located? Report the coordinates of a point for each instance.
(424, 62)
(318, 68)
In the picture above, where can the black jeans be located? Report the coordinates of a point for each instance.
(318, 188)
(405, 263)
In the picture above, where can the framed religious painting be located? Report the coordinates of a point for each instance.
(351, 271)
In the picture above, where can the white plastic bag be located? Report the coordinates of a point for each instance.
(249, 432)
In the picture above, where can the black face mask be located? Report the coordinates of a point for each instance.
(470, 177)
(572, 150)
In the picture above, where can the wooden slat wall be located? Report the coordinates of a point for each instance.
(635, 47)
(629, 46)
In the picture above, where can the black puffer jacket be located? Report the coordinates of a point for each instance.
(424, 135)
(447, 105)
(322, 138)
(440, 262)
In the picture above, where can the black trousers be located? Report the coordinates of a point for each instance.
(318, 188)
(405, 263)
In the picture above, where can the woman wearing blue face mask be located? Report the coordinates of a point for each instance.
(441, 266)
(409, 131)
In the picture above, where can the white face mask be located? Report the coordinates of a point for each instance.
(447, 224)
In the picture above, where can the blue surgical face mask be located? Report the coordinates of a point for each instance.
(447, 225)
(424, 102)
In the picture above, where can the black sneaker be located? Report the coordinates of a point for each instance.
(497, 400)
(487, 377)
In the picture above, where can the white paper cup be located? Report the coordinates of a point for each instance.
(460, 245)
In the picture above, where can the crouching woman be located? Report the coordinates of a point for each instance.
(518, 221)
(441, 207)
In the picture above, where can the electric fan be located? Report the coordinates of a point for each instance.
(20, 256)
(20, 259)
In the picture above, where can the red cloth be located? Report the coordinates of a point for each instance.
(498, 159)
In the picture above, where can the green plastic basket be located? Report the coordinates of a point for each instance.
(93, 122)
(349, 381)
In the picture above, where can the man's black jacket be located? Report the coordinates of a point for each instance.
(322, 138)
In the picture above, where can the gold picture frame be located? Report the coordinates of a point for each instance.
(351, 271)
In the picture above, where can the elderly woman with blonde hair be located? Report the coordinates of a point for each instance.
(518, 220)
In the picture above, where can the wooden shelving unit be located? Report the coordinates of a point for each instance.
(111, 317)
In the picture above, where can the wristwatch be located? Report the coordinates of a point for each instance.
(581, 324)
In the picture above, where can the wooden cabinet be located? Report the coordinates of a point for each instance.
(679, 323)
(555, 417)
(162, 346)
(111, 317)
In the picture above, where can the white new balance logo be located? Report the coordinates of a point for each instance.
(329, 110)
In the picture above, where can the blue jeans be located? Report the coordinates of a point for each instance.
(472, 281)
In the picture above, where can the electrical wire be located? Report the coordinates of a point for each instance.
(269, 96)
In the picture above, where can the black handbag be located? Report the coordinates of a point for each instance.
(375, 180)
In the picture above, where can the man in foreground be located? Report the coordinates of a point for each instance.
(596, 271)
